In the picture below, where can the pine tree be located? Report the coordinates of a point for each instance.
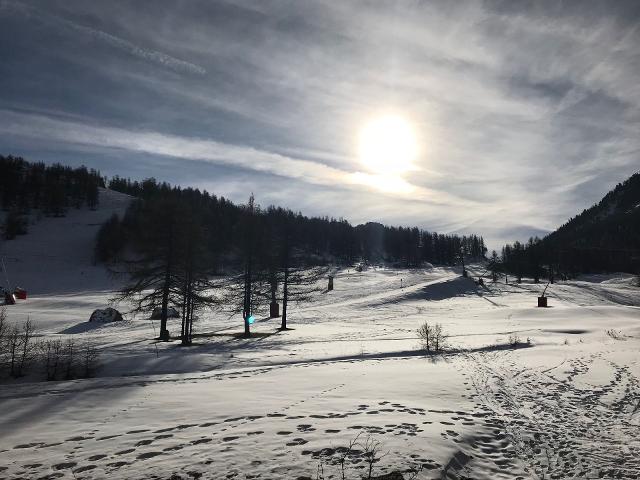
(154, 273)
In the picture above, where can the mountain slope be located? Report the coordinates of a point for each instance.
(56, 255)
(613, 223)
(605, 237)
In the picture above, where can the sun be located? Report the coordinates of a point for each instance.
(387, 145)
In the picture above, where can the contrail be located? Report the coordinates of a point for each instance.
(146, 54)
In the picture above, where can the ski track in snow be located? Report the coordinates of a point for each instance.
(559, 427)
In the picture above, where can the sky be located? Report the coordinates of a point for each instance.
(523, 113)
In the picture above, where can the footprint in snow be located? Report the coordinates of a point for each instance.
(144, 456)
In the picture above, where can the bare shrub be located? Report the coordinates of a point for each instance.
(21, 353)
(29, 350)
(19, 346)
(51, 357)
(369, 452)
(514, 339)
(76, 361)
(59, 359)
(372, 454)
(89, 358)
(69, 359)
(344, 454)
(432, 337)
(13, 349)
(616, 334)
(4, 328)
(3, 323)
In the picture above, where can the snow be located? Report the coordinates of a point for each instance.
(562, 404)
(56, 256)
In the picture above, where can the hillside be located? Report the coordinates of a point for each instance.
(603, 238)
(56, 255)
(612, 223)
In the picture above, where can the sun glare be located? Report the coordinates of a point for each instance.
(387, 145)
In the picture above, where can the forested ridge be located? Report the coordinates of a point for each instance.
(327, 237)
(193, 250)
(603, 238)
(26, 187)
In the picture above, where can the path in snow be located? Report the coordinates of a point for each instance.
(562, 427)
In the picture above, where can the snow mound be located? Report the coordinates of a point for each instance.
(106, 315)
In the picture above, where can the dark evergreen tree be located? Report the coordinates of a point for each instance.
(154, 272)
(110, 240)
(49, 188)
(15, 224)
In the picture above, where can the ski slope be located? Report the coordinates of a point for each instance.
(56, 255)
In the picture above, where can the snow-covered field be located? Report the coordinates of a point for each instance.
(564, 405)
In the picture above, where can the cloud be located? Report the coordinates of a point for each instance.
(526, 112)
(152, 56)
(71, 132)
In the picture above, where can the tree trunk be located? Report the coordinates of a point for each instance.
(184, 310)
(246, 310)
(274, 288)
(192, 308)
(285, 284)
(273, 306)
(285, 298)
(164, 333)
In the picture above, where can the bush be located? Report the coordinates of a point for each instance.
(67, 360)
(89, 360)
(432, 337)
(21, 354)
(4, 330)
(51, 358)
(361, 455)
(514, 339)
(17, 347)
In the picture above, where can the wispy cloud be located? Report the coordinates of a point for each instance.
(58, 130)
(526, 112)
(153, 56)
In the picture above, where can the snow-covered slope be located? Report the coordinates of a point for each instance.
(564, 405)
(56, 256)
